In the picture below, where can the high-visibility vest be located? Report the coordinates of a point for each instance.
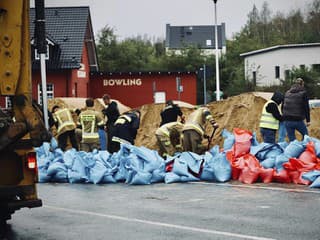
(267, 120)
(64, 119)
(196, 120)
(165, 129)
(89, 127)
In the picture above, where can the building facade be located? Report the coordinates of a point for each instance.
(137, 89)
(270, 66)
(201, 36)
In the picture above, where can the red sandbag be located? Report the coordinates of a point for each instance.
(248, 175)
(298, 165)
(250, 168)
(309, 155)
(266, 174)
(242, 142)
(282, 176)
(296, 178)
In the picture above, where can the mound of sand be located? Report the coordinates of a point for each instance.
(241, 111)
(79, 103)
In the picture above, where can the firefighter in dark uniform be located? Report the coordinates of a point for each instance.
(65, 127)
(125, 129)
(194, 130)
(112, 113)
(90, 120)
(170, 113)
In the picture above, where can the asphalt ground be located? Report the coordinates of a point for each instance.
(197, 210)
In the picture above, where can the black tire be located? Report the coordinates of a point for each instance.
(3, 226)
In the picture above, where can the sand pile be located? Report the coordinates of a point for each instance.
(242, 111)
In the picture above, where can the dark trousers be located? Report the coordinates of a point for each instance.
(268, 135)
(63, 139)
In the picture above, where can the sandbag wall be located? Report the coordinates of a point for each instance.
(242, 158)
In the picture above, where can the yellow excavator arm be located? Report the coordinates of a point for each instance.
(15, 74)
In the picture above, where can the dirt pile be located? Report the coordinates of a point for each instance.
(241, 111)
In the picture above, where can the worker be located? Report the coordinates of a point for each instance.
(169, 138)
(194, 130)
(125, 129)
(112, 113)
(271, 118)
(65, 127)
(89, 121)
(170, 113)
(296, 110)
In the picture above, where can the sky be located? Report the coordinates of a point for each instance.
(130, 18)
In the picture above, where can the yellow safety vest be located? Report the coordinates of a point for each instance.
(88, 120)
(64, 119)
(267, 120)
(164, 130)
(196, 120)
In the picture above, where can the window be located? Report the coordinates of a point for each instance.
(8, 102)
(50, 92)
(316, 67)
(37, 55)
(277, 71)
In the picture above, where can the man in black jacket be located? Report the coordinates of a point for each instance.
(112, 113)
(296, 109)
(170, 113)
(270, 118)
(125, 129)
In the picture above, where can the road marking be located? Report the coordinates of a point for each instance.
(193, 229)
(258, 187)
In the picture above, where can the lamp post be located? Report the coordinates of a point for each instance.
(216, 52)
(204, 84)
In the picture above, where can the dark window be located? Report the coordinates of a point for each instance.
(277, 69)
(316, 67)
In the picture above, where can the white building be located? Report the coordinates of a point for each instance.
(268, 66)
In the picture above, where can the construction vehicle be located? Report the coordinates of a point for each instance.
(24, 128)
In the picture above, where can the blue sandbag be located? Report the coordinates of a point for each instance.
(208, 171)
(311, 175)
(221, 168)
(61, 177)
(141, 178)
(43, 177)
(158, 175)
(108, 179)
(171, 177)
(228, 139)
(281, 159)
(269, 162)
(97, 172)
(294, 149)
(254, 141)
(56, 167)
(316, 145)
(316, 183)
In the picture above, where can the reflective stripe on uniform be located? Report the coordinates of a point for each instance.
(120, 140)
(195, 127)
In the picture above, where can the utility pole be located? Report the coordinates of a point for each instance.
(216, 53)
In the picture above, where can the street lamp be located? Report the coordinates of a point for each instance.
(204, 84)
(216, 52)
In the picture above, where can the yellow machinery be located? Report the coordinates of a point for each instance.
(24, 128)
